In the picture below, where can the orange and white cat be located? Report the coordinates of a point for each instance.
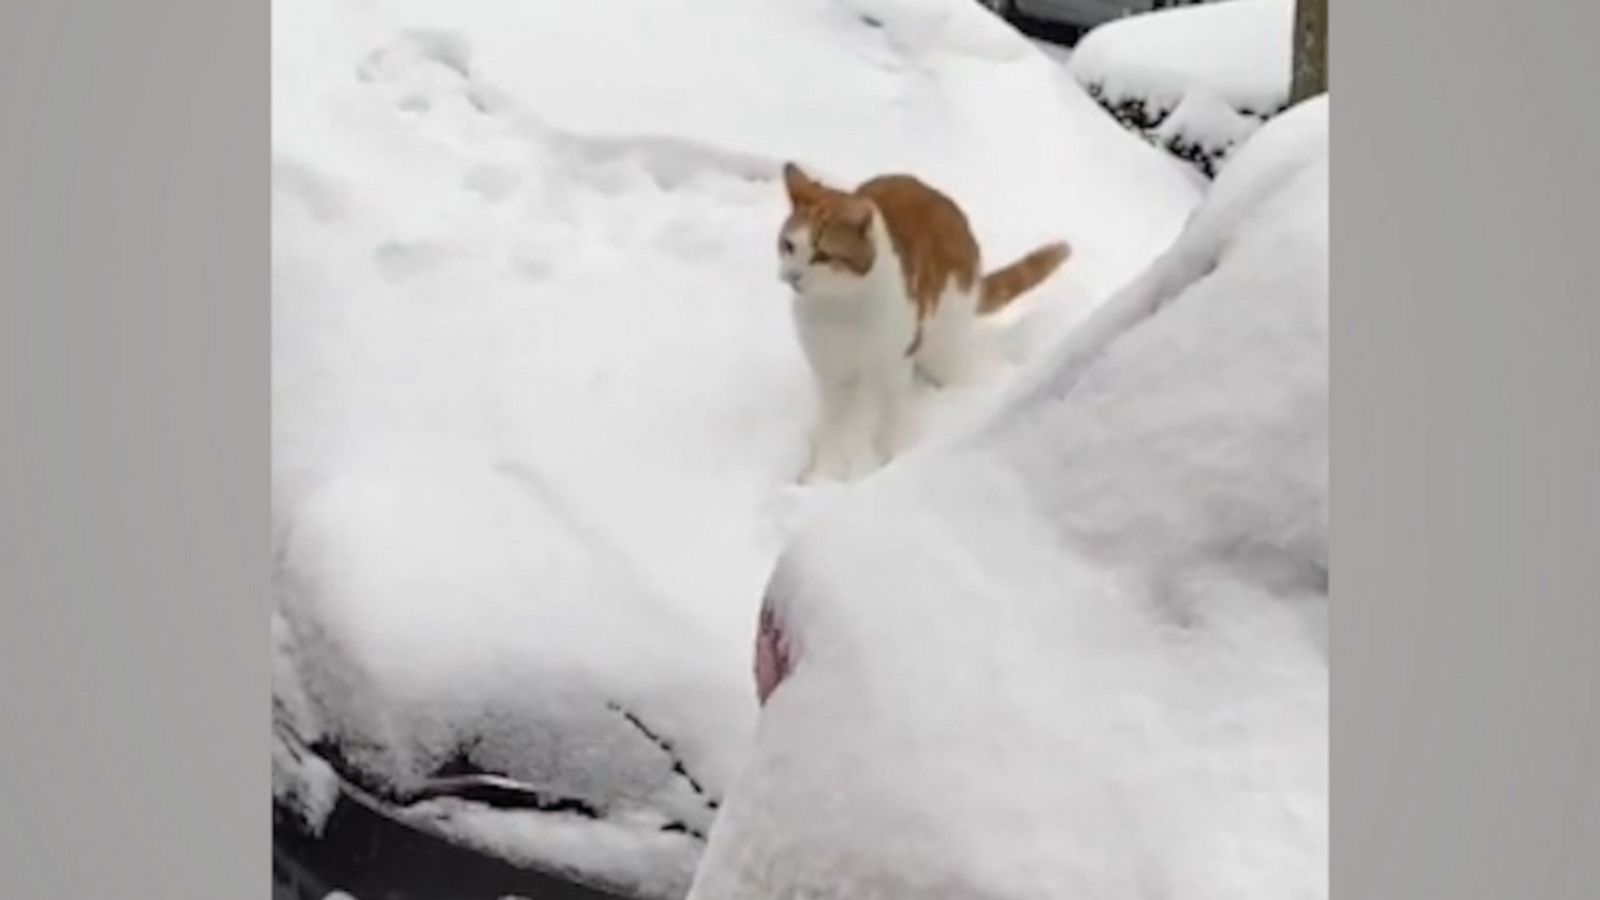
(887, 283)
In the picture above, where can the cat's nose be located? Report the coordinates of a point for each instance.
(791, 278)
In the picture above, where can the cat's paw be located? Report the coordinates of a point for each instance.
(861, 467)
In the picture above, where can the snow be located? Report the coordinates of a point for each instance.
(1201, 117)
(1204, 130)
(304, 784)
(1060, 53)
(537, 401)
(1236, 51)
(1081, 650)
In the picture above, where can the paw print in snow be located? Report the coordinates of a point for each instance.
(427, 71)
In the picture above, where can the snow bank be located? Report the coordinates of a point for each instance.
(1196, 80)
(1237, 51)
(537, 404)
(1082, 651)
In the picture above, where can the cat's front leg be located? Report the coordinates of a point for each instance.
(843, 444)
(896, 426)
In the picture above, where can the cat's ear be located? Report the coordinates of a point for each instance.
(802, 190)
(856, 212)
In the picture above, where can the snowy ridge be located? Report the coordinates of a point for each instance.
(1297, 140)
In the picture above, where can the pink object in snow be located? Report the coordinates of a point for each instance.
(772, 656)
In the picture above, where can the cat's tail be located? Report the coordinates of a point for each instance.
(1003, 285)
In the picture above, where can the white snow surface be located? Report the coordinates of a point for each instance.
(1234, 51)
(537, 401)
(1080, 651)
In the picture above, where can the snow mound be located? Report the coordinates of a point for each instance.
(1082, 650)
(1197, 80)
(537, 402)
(1203, 130)
(1236, 51)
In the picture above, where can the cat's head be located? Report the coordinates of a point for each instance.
(825, 245)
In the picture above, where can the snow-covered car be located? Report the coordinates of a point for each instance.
(1077, 13)
(363, 847)
(538, 404)
(1082, 650)
(1196, 80)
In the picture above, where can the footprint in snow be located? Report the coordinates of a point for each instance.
(449, 50)
(401, 260)
(318, 193)
(491, 181)
(429, 70)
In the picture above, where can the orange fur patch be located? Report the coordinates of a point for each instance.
(930, 235)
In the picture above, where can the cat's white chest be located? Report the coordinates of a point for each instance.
(846, 337)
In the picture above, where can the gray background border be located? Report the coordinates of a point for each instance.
(134, 444)
(134, 450)
(1465, 448)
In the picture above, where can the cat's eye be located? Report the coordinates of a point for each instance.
(786, 245)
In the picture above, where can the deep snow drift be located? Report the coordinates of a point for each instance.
(1082, 650)
(537, 401)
